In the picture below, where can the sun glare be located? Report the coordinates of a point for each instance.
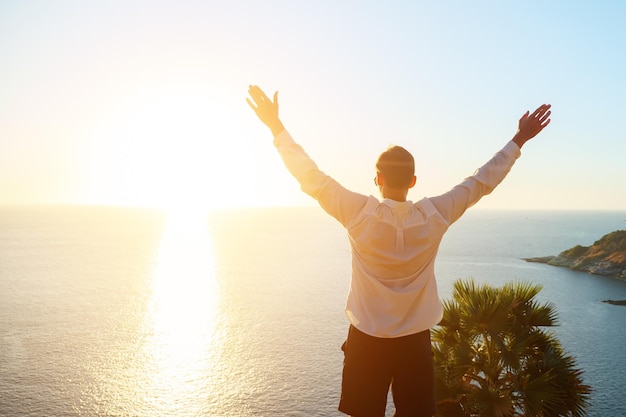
(164, 148)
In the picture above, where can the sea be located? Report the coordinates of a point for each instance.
(109, 311)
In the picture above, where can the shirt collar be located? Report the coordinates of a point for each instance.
(396, 204)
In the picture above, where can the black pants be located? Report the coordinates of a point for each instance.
(373, 364)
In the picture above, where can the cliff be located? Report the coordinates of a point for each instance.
(606, 257)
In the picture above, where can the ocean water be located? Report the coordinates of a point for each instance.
(123, 312)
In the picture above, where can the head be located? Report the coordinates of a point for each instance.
(395, 169)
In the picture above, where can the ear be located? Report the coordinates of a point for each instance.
(413, 181)
(379, 179)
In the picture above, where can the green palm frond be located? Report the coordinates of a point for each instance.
(493, 356)
(491, 401)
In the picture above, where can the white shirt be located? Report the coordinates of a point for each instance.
(393, 291)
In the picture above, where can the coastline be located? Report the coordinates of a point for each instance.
(601, 267)
(606, 257)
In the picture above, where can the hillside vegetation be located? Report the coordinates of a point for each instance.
(606, 256)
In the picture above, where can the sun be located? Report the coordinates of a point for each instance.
(166, 147)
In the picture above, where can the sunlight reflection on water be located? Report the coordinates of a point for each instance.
(182, 346)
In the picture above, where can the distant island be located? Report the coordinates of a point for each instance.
(605, 257)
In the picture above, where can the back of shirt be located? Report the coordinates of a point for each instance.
(394, 244)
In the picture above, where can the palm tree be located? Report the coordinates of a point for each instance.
(494, 359)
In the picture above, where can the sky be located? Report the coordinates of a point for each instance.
(143, 103)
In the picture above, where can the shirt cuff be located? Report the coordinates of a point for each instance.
(283, 138)
(511, 149)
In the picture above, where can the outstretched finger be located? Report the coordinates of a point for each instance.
(524, 116)
(252, 106)
(541, 110)
(545, 116)
(544, 122)
(257, 94)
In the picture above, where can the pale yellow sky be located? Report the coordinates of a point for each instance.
(136, 103)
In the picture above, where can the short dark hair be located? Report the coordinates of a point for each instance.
(397, 166)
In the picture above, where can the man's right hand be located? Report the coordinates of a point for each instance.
(265, 109)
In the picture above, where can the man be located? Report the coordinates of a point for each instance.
(393, 301)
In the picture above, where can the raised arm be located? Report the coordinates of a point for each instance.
(531, 124)
(453, 204)
(339, 202)
(265, 109)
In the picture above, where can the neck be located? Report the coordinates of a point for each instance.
(394, 193)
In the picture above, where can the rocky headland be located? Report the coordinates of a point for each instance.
(606, 257)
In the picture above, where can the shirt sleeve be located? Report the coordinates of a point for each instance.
(336, 200)
(453, 203)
